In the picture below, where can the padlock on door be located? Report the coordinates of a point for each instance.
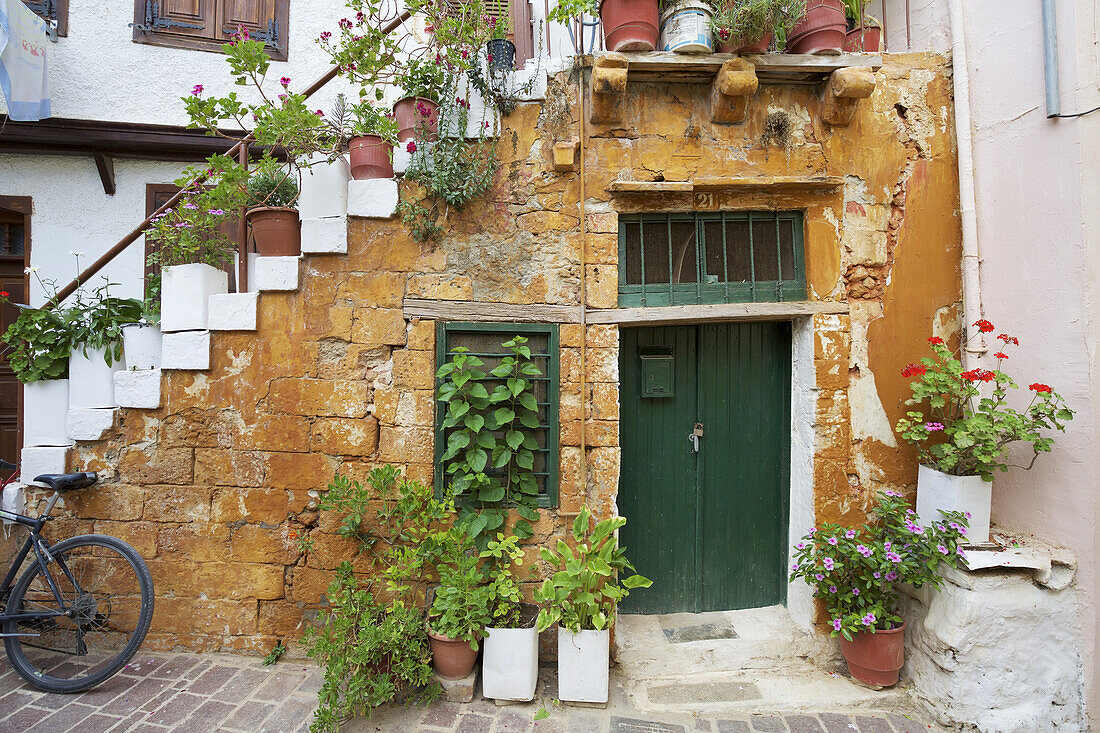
(694, 435)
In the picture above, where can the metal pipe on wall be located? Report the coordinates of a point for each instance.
(1050, 59)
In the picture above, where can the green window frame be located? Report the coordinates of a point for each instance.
(543, 340)
(711, 257)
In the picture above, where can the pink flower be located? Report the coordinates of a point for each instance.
(866, 552)
(828, 562)
(345, 23)
(832, 540)
(891, 575)
(197, 90)
(855, 591)
(216, 212)
(933, 427)
(836, 624)
(850, 534)
(319, 113)
(868, 619)
(942, 549)
(411, 147)
(819, 577)
(832, 589)
(285, 81)
(325, 35)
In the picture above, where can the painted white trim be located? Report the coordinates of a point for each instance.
(800, 603)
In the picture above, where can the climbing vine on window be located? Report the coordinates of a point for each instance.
(489, 426)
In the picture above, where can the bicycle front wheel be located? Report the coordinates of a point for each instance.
(107, 604)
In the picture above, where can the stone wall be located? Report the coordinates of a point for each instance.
(212, 486)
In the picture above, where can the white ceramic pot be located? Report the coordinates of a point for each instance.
(45, 408)
(685, 28)
(582, 665)
(141, 344)
(510, 664)
(937, 490)
(185, 294)
(91, 380)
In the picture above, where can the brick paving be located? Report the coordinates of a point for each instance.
(217, 693)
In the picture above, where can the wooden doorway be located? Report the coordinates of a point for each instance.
(15, 252)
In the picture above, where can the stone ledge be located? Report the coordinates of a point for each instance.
(233, 311)
(274, 273)
(138, 388)
(36, 461)
(374, 198)
(325, 236)
(90, 423)
(186, 350)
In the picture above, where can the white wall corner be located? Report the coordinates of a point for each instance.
(186, 350)
(375, 198)
(91, 423)
(233, 311)
(38, 460)
(274, 273)
(324, 190)
(138, 388)
(325, 236)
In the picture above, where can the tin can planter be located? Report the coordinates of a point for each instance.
(685, 28)
(91, 380)
(452, 659)
(371, 157)
(583, 660)
(875, 659)
(630, 25)
(937, 490)
(141, 344)
(510, 661)
(822, 30)
(412, 113)
(502, 54)
(734, 45)
(276, 230)
(45, 410)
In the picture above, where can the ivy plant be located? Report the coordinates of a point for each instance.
(583, 592)
(490, 444)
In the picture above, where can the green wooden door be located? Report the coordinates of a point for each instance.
(708, 527)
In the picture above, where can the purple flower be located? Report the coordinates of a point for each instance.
(832, 589)
(892, 493)
(850, 534)
(800, 546)
(828, 563)
(216, 212)
(190, 205)
(863, 550)
(942, 549)
(411, 147)
(819, 577)
(794, 566)
(832, 540)
(877, 574)
(812, 532)
(888, 545)
(893, 557)
(891, 576)
(933, 427)
(836, 624)
(967, 515)
(197, 90)
(869, 619)
(285, 81)
(855, 591)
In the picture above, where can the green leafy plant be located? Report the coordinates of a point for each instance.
(854, 9)
(461, 607)
(498, 26)
(966, 432)
(370, 653)
(742, 22)
(273, 656)
(38, 344)
(373, 120)
(568, 9)
(489, 451)
(426, 79)
(96, 322)
(271, 188)
(364, 53)
(583, 592)
(856, 571)
(500, 558)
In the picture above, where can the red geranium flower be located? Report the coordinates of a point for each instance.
(3, 293)
(978, 375)
(1009, 339)
(935, 340)
(1000, 355)
(1037, 387)
(983, 325)
(913, 370)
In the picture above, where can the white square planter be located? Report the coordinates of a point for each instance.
(45, 409)
(233, 311)
(186, 350)
(91, 380)
(324, 190)
(510, 664)
(325, 236)
(185, 295)
(374, 198)
(138, 388)
(937, 490)
(583, 660)
(38, 460)
(141, 344)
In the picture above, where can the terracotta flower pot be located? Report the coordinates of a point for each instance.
(630, 25)
(371, 157)
(276, 231)
(822, 30)
(411, 112)
(867, 39)
(452, 659)
(875, 659)
(735, 46)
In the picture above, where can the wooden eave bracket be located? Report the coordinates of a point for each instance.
(733, 86)
(565, 155)
(106, 167)
(608, 87)
(843, 91)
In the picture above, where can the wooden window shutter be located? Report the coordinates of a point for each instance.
(265, 20)
(208, 24)
(179, 18)
(56, 12)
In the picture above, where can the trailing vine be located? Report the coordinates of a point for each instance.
(490, 445)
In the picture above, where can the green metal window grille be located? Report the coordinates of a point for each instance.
(707, 258)
(485, 340)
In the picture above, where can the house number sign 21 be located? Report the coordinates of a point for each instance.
(705, 200)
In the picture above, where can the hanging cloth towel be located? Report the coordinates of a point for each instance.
(23, 76)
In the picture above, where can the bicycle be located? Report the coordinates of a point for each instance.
(70, 628)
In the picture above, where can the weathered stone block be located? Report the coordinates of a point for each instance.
(459, 690)
(401, 444)
(38, 460)
(602, 286)
(379, 289)
(250, 505)
(257, 543)
(338, 398)
(308, 471)
(731, 91)
(379, 326)
(216, 467)
(843, 91)
(435, 286)
(565, 155)
(156, 465)
(142, 536)
(194, 542)
(375, 198)
(273, 273)
(178, 503)
(421, 335)
(325, 236)
(107, 501)
(345, 436)
(186, 350)
(413, 369)
(233, 311)
(138, 388)
(90, 424)
(603, 222)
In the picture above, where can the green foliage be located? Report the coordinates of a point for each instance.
(461, 606)
(373, 120)
(273, 656)
(740, 22)
(854, 8)
(566, 10)
(505, 598)
(965, 432)
(425, 79)
(96, 322)
(272, 188)
(38, 345)
(489, 451)
(365, 55)
(856, 571)
(582, 594)
(370, 653)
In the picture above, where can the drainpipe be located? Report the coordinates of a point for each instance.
(1050, 59)
(971, 257)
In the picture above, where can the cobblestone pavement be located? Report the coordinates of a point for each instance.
(200, 693)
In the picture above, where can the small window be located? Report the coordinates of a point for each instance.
(725, 257)
(486, 341)
(55, 12)
(206, 25)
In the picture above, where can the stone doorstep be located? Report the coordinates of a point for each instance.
(90, 423)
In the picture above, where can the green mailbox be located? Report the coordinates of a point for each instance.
(658, 375)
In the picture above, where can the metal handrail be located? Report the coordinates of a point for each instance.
(241, 149)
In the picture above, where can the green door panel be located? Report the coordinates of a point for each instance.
(709, 528)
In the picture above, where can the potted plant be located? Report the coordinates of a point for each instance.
(370, 146)
(424, 83)
(864, 31)
(510, 660)
(141, 341)
(628, 25)
(962, 435)
(459, 611)
(855, 573)
(821, 30)
(581, 598)
(499, 50)
(96, 328)
(748, 26)
(276, 229)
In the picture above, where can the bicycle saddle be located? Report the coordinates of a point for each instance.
(67, 481)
